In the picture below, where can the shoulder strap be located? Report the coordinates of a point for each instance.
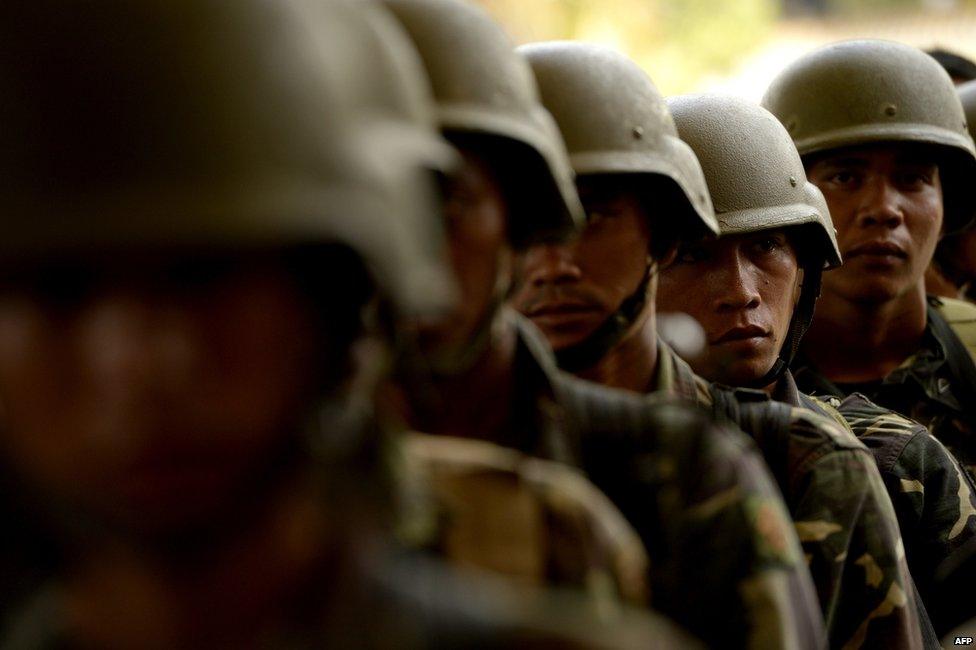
(958, 356)
(961, 317)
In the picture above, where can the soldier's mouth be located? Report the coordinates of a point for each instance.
(878, 248)
(741, 333)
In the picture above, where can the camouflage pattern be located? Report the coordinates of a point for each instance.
(934, 498)
(923, 388)
(537, 521)
(843, 517)
(696, 492)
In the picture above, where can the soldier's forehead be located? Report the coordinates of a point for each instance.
(901, 153)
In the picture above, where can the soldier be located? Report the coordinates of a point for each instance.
(183, 463)
(882, 133)
(754, 291)
(667, 467)
(952, 273)
(590, 267)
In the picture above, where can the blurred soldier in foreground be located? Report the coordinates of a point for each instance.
(952, 273)
(498, 382)
(754, 291)
(882, 133)
(186, 461)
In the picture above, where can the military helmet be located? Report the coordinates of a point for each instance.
(482, 87)
(130, 125)
(614, 121)
(967, 95)
(871, 91)
(757, 183)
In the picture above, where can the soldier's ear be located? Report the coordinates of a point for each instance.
(798, 286)
(667, 256)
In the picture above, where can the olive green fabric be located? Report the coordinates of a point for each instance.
(842, 513)
(696, 491)
(871, 91)
(933, 496)
(483, 87)
(614, 121)
(538, 521)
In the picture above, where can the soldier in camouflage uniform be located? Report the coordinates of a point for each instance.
(564, 71)
(181, 467)
(746, 279)
(882, 133)
(695, 492)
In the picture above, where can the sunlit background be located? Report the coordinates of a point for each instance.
(735, 46)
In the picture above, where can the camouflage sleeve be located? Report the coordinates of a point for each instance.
(725, 561)
(935, 501)
(849, 532)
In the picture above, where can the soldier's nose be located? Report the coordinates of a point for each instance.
(551, 263)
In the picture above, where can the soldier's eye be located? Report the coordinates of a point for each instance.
(691, 255)
(768, 244)
(842, 178)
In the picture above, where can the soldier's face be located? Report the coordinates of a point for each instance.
(886, 204)
(570, 289)
(742, 289)
(477, 230)
(151, 398)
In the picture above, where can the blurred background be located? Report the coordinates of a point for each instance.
(735, 46)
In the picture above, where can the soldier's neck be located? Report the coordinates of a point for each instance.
(477, 403)
(631, 363)
(857, 342)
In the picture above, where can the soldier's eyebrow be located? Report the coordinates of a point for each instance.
(845, 161)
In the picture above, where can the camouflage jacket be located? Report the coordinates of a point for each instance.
(924, 388)
(840, 507)
(538, 522)
(724, 562)
(935, 501)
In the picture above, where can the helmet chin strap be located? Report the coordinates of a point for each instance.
(802, 317)
(587, 353)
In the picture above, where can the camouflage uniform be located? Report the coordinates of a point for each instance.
(850, 538)
(932, 493)
(696, 492)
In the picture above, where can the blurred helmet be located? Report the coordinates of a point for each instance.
(131, 125)
(869, 91)
(757, 183)
(614, 121)
(483, 88)
(967, 95)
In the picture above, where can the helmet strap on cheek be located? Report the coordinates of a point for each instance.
(587, 353)
(802, 317)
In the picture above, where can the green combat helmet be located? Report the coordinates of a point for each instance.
(869, 91)
(483, 88)
(757, 182)
(615, 122)
(108, 146)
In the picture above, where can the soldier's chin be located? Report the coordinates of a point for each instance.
(743, 371)
(561, 337)
(870, 287)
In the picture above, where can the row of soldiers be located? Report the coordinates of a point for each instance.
(335, 322)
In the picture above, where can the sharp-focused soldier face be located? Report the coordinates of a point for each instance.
(476, 217)
(742, 289)
(152, 396)
(570, 289)
(886, 204)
